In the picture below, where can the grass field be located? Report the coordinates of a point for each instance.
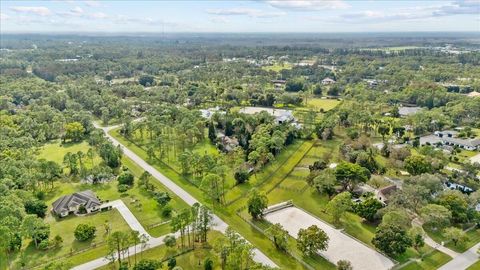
(278, 67)
(56, 151)
(322, 104)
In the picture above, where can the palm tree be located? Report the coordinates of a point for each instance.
(81, 155)
(91, 155)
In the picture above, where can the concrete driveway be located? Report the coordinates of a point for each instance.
(340, 246)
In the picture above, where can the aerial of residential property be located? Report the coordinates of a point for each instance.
(240, 135)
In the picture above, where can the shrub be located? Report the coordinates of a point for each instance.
(167, 211)
(208, 264)
(172, 262)
(83, 232)
(126, 178)
(43, 245)
(36, 207)
(241, 176)
(57, 241)
(162, 198)
(122, 188)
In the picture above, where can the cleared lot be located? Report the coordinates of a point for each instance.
(340, 246)
(475, 159)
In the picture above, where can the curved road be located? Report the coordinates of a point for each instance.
(218, 224)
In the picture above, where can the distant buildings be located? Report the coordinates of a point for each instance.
(374, 82)
(450, 138)
(328, 81)
(279, 84)
(207, 113)
(281, 115)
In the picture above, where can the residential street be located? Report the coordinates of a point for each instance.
(218, 224)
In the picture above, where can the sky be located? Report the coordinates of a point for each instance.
(239, 16)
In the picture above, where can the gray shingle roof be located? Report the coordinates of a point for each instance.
(87, 198)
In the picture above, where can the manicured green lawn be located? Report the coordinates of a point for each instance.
(322, 104)
(65, 228)
(56, 151)
(278, 67)
(430, 262)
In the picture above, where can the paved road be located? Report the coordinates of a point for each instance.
(340, 245)
(218, 224)
(464, 260)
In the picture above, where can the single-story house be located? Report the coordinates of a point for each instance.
(384, 194)
(70, 204)
(328, 81)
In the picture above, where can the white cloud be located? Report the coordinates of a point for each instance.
(463, 7)
(99, 15)
(459, 7)
(93, 3)
(219, 19)
(308, 5)
(4, 17)
(254, 13)
(40, 11)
